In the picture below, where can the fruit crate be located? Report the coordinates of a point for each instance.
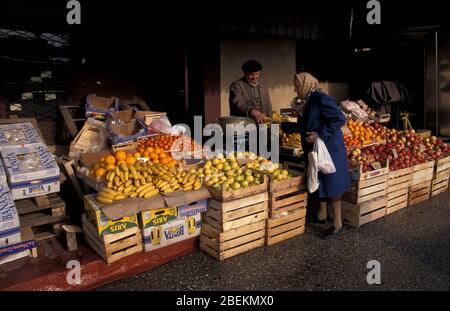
(367, 186)
(442, 166)
(112, 247)
(223, 245)
(422, 173)
(225, 196)
(229, 215)
(287, 195)
(439, 184)
(398, 185)
(285, 227)
(359, 214)
(419, 192)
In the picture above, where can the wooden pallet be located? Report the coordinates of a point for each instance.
(230, 215)
(44, 214)
(359, 214)
(223, 245)
(419, 193)
(398, 185)
(286, 227)
(230, 195)
(440, 183)
(112, 247)
(422, 173)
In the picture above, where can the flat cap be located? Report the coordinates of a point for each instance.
(251, 66)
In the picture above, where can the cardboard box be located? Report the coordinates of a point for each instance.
(184, 228)
(91, 138)
(101, 108)
(9, 219)
(157, 217)
(18, 134)
(16, 250)
(31, 171)
(148, 116)
(104, 225)
(124, 115)
(3, 177)
(193, 208)
(126, 132)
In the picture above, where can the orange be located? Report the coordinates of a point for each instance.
(121, 155)
(121, 162)
(137, 155)
(130, 160)
(110, 167)
(100, 172)
(110, 160)
(155, 161)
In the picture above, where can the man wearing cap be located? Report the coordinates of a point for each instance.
(248, 98)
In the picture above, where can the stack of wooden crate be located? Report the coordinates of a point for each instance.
(367, 199)
(398, 185)
(287, 208)
(440, 182)
(421, 179)
(235, 221)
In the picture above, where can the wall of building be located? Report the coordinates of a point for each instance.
(277, 56)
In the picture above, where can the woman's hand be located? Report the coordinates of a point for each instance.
(311, 137)
(259, 116)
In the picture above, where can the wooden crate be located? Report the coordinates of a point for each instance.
(230, 215)
(422, 173)
(225, 196)
(440, 183)
(367, 186)
(419, 193)
(285, 227)
(223, 245)
(287, 195)
(359, 214)
(442, 166)
(89, 136)
(398, 185)
(112, 247)
(44, 214)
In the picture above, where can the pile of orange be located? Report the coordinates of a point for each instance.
(108, 163)
(362, 134)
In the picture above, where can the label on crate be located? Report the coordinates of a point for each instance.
(395, 153)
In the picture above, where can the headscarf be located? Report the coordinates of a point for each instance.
(307, 84)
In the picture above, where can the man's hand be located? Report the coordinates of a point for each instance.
(259, 116)
(311, 137)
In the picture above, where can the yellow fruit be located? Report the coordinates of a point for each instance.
(103, 200)
(130, 160)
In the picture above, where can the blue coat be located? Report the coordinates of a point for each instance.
(322, 115)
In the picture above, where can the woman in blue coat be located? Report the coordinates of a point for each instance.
(320, 116)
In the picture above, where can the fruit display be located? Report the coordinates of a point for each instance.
(291, 140)
(280, 175)
(364, 133)
(236, 179)
(403, 149)
(109, 163)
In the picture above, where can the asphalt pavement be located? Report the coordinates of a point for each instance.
(411, 245)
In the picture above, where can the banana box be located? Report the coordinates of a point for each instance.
(102, 223)
(192, 209)
(172, 232)
(3, 178)
(9, 219)
(18, 135)
(157, 217)
(31, 171)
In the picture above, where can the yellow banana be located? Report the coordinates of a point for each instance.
(133, 171)
(142, 180)
(148, 178)
(117, 181)
(165, 188)
(128, 189)
(137, 183)
(169, 190)
(145, 174)
(192, 177)
(126, 175)
(117, 170)
(109, 184)
(123, 167)
(121, 188)
(166, 178)
(105, 195)
(196, 187)
(133, 194)
(188, 188)
(129, 182)
(145, 191)
(119, 197)
(122, 177)
(151, 193)
(104, 200)
(107, 190)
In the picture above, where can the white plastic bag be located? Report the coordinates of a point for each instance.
(324, 161)
(313, 171)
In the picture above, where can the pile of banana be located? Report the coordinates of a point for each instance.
(128, 182)
(144, 180)
(169, 179)
(291, 140)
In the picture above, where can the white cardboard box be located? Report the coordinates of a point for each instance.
(17, 135)
(3, 178)
(155, 237)
(31, 171)
(9, 219)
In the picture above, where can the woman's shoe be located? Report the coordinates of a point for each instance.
(330, 232)
(323, 221)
